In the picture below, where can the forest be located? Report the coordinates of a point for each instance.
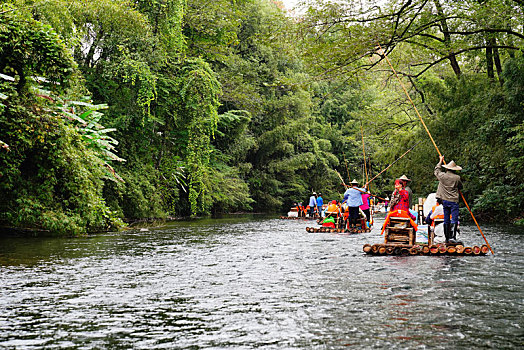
(119, 110)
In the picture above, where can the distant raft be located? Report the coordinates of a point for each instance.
(337, 230)
(298, 218)
(423, 249)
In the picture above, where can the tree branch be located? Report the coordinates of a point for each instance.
(431, 64)
(489, 30)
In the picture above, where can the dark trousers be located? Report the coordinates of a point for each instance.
(368, 214)
(450, 208)
(353, 215)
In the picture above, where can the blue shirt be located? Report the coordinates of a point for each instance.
(353, 197)
(320, 201)
(312, 201)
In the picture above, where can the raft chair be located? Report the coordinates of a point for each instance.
(399, 228)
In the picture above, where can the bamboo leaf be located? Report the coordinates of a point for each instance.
(75, 117)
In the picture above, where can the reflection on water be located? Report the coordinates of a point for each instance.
(249, 282)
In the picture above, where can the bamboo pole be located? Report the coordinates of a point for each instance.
(396, 160)
(410, 100)
(364, 151)
(366, 171)
(372, 195)
(341, 179)
(433, 141)
(347, 170)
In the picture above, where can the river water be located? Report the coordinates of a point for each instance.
(256, 282)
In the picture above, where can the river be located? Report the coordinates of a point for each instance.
(249, 282)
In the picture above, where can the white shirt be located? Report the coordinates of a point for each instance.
(439, 210)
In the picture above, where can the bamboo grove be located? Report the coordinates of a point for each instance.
(117, 110)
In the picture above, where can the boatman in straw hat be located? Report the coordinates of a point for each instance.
(353, 198)
(449, 184)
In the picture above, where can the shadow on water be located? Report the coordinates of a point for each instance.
(256, 281)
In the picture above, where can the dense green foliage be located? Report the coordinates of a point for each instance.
(228, 106)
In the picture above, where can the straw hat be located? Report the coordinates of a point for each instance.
(404, 177)
(452, 166)
(354, 182)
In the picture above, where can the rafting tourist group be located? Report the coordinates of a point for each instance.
(400, 225)
(355, 209)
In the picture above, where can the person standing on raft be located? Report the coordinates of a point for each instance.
(449, 184)
(320, 203)
(312, 204)
(353, 198)
(365, 207)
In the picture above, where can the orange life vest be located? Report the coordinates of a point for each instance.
(346, 213)
(333, 209)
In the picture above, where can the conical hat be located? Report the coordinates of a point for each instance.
(354, 182)
(404, 177)
(452, 166)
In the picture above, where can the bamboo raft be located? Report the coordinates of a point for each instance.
(399, 239)
(423, 249)
(298, 218)
(337, 230)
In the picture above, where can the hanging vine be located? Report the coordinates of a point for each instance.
(199, 93)
(166, 18)
(139, 74)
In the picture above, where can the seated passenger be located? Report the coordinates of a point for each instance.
(438, 206)
(329, 222)
(301, 210)
(399, 206)
(333, 209)
(400, 199)
(437, 212)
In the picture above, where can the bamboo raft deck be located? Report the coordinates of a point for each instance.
(423, 249)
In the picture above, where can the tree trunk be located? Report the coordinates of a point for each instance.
(447, 39)
(489, 61)
(89, 59)
(496, 59)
